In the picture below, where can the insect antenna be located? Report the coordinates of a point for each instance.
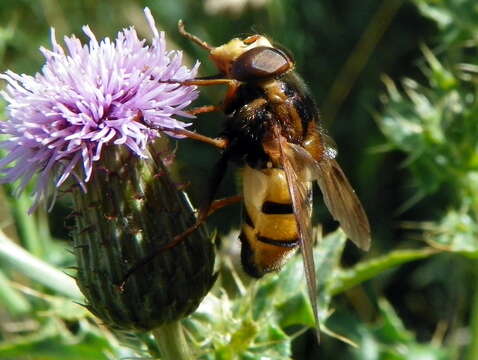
(192, 37)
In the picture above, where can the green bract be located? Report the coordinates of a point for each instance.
(131, 209)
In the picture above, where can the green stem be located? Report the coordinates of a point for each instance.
(27, 226)
(473, 349)
(172, 342)
(14, 302)
(36, 269)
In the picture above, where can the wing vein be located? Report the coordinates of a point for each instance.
(300, 193)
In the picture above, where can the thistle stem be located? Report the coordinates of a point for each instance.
(172, 342)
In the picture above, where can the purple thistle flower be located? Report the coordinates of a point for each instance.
(86, 97)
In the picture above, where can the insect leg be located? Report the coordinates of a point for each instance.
(220, 143)
(232, 86)
(211, 82)
(231, 83)
(204, 109)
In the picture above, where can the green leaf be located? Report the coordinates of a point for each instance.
(294, 311)
(391, 328)
(52, 342)
(390, 340)
(457, 231)
(240, 341)
(345, 279)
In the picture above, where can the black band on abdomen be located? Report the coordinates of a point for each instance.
(280, 243)
(270, 207)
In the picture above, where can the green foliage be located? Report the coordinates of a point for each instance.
(406, 300)
(435, 125)
(392, 341)
(456, 20)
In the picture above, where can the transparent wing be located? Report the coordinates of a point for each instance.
(343, 203)
(339, 196)
(300, 192)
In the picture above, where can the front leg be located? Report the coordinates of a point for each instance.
(220, 143)
(204, 109)
(231, 84)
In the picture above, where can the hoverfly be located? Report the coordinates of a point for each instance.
(273, 131)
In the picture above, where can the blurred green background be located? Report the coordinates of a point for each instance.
(396, 83)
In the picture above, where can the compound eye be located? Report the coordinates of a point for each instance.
(260, 63)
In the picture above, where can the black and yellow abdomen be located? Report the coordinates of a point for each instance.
(269, 231)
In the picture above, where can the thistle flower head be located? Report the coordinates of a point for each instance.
(86, 97)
